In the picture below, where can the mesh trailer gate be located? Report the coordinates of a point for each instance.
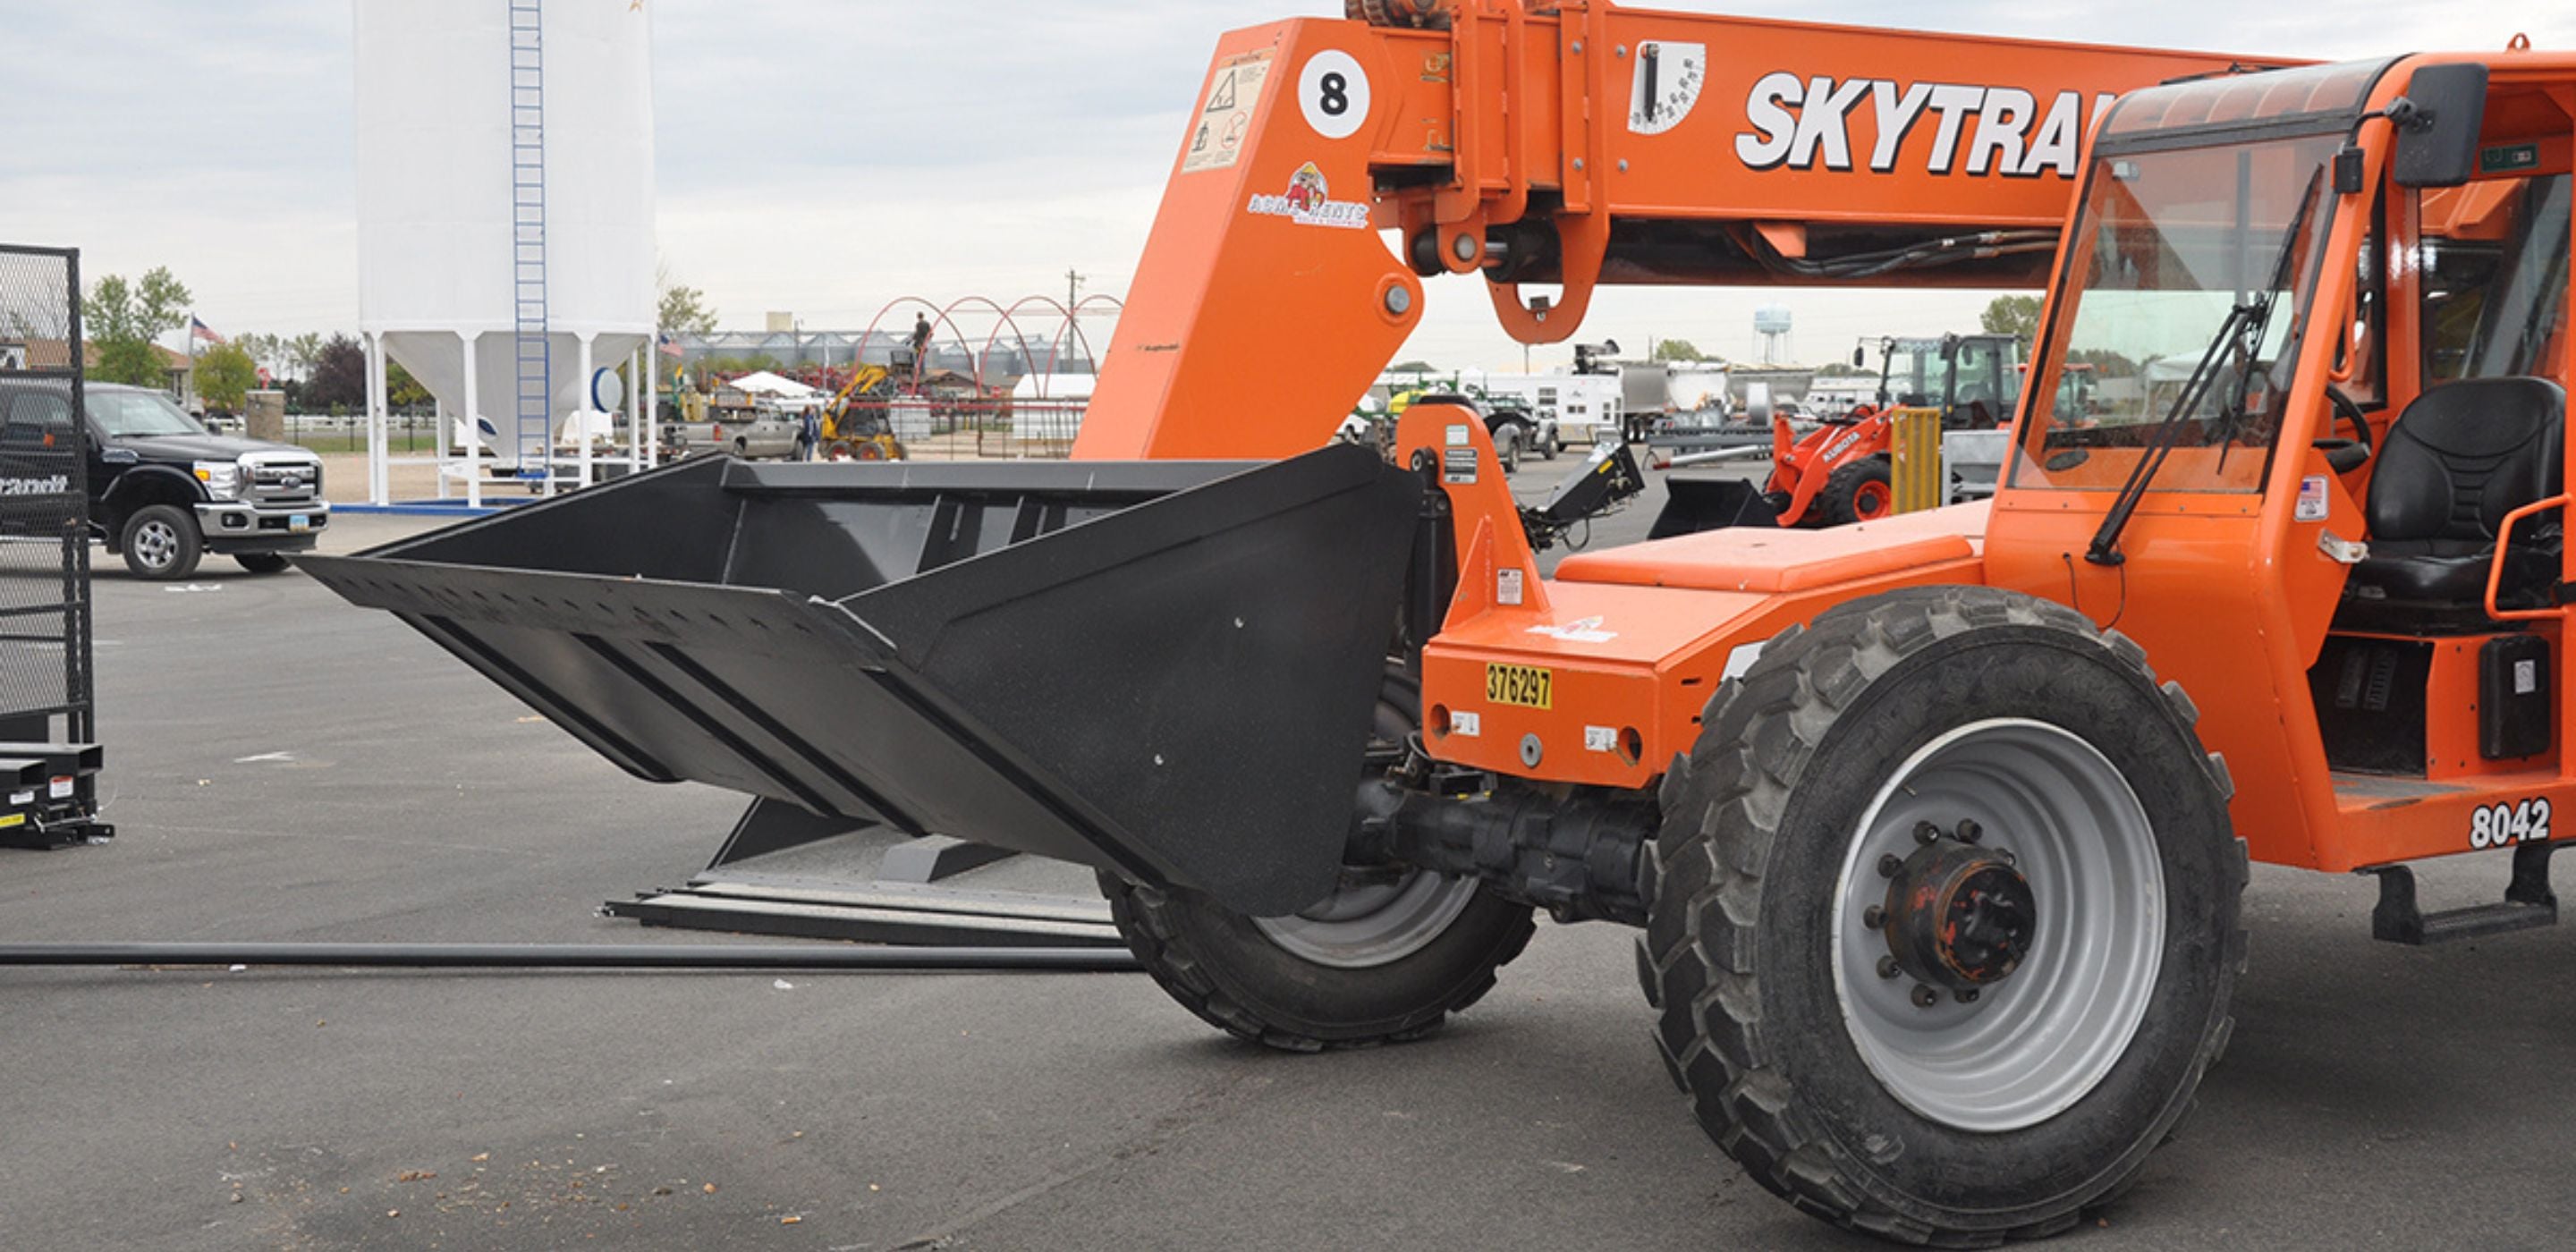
(49, 754)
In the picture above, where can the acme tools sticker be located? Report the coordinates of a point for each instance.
(1525, 685)
(1225, 121)
(1309, 202)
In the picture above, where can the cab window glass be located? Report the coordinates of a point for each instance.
(2494, 264)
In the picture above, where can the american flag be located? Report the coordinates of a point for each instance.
(199, 332)
(668, 345)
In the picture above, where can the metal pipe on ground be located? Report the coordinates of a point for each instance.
(1746, 453)
(811, 957)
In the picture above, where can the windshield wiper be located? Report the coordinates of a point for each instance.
(2242, 331)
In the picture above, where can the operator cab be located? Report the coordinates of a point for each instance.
(1974, 380)
(2485, 432)
(2417, 397)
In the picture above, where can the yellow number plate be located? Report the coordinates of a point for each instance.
(1525, 685)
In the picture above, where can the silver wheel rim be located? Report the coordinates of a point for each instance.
(2029, 1047)
(156, 544)
(1364, 925)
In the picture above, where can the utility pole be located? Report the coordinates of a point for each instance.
(1072, 288)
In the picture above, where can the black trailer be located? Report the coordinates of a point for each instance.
(49, 753)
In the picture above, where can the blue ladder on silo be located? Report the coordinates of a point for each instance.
(531, 436)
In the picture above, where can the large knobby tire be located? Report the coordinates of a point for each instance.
(1878, 1101)
(1386, 960)
(161, 543)
(1858, 492)
(1237, 976)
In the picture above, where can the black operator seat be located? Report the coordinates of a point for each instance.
(2458, 459)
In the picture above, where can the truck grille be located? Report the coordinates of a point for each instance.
(284, 482)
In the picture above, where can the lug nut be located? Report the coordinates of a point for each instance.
(1965, 995)
(1925, 997)
(1889, 866)
(1926, 832)
(1887, 967)
(1970, 831)
(1873, 917)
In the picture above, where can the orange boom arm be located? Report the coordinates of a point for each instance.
(1591, 145)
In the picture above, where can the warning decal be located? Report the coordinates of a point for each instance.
(1224, 123)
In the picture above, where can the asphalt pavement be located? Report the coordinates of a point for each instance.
(282, 766)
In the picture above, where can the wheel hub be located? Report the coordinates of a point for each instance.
(2070, 849)
(1959, 916)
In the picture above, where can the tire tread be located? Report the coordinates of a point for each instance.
(1759, 733)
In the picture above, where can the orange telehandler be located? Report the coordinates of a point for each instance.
(1935, 826)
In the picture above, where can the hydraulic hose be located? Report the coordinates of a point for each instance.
(818, 957)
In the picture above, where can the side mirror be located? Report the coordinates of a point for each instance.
(1859, 356)
(2438, 121)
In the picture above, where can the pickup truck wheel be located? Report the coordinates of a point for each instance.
(1946, 923)
(1508, 442)
(161, 543)
(1384, 959)
(1550, 446)
(261, 562)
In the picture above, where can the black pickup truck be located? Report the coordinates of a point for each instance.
(164, 490)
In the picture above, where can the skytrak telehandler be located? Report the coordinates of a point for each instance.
(1935, 826)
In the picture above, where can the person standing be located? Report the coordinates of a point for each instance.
(920, 347)
(809, 432)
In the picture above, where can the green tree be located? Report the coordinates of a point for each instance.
(224, 373)
(304, 352)
(266, 351)
(683, 309)
(402, 391)
(1676, 350)
(1412, 367)
(122, 319)
(2017, 316)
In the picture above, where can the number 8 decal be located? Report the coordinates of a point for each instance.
(1333, 93)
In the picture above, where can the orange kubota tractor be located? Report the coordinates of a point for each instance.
(1935, 827)
(1842, 471)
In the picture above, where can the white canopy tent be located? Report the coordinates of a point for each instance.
(764, 383)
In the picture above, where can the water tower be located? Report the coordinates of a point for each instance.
(505, 216)
(1771, 321)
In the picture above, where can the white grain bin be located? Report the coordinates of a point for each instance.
(452, 163)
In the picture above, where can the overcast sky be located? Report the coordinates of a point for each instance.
(826, 156)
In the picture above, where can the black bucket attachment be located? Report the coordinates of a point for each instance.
(1162, 668)
(1692, 505)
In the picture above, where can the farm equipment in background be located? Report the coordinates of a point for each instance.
(856, 425)
(1938, 877)
(1842, 471)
